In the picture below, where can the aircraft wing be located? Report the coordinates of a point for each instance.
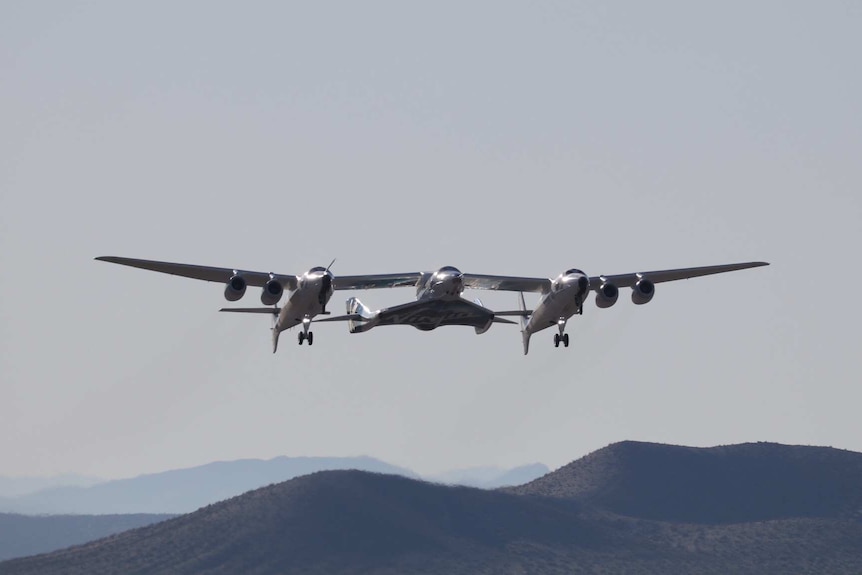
(507, 283)
(205, 273)
(629, 280)
(376, 281)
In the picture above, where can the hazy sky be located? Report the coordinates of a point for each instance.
(514, 138)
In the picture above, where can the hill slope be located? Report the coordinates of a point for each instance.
(21, 535)
(727, 484)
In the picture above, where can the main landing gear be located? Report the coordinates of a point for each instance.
(305, 334)
(303, 337)
(561, 338)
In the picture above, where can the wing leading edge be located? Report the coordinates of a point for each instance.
(507, 283)
(659, 276)
(205, 273)
(374, 281)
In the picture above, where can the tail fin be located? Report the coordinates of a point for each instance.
(525, 335)
(357, 308)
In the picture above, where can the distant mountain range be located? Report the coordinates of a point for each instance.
(17, 486)
(630, 507)
(184, 490)
(491, 477)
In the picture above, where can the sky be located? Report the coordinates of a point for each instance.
(500, 137)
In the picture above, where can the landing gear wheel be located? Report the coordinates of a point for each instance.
(311, 338)
(556, 340)
(302, 338)
(565, 340)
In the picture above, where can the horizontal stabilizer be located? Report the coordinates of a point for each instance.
(349, 317)
(267, 310)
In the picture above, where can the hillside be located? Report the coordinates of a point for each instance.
(21, 535)
(357, 522)
(727, 484)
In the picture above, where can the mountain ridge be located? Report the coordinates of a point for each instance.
(361, 522)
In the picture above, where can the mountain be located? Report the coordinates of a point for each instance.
(17, 486)
(359, 522)
(21, 535)
(727, 484)
(491, 477)
(184, 490)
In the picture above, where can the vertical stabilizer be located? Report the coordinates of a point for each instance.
(362, 316)
(525, 334)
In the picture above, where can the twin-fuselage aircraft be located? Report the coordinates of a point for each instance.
(439, 300)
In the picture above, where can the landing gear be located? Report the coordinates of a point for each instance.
(561, 337)
(306, 336)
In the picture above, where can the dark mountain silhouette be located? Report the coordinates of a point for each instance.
(21, 535)
(358, 522)
(727, 484)
(184, 490)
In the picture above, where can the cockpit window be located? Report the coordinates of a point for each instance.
(450, 269)
(317, 269)
(573, 271)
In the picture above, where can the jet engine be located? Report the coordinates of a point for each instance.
(235, 288)
(642, 292)
(607, 295)
(272, 291)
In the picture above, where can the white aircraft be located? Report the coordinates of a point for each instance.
(438, 303)
(309, 292)
(564, 296)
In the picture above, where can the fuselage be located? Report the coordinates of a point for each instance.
(445, 283)
(565, 299)
(314, 289)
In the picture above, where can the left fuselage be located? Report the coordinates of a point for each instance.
(566, 298)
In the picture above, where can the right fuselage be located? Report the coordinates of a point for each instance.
(566, 298)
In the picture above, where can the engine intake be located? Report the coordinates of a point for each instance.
(607, 295)
(272, 291)
(642, 292)
(235, 288)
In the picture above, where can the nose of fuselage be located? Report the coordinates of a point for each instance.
(579, 281)
(450, 280)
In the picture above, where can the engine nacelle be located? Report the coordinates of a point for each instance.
(272, 291)
(607, 295)
(235, 288)
(642, 292)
